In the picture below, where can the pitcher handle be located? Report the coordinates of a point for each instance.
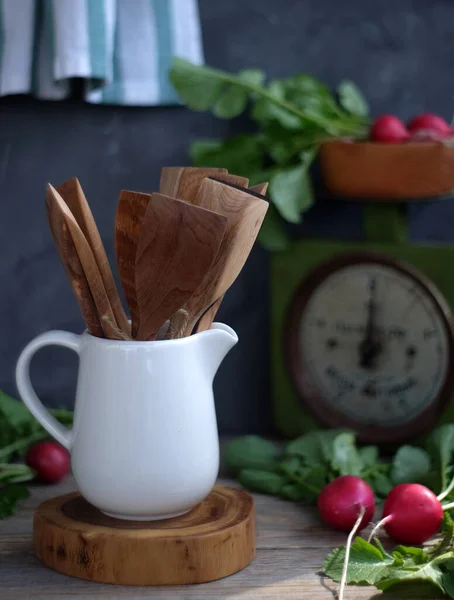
(25, 388)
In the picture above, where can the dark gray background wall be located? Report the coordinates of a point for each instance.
(400, 53)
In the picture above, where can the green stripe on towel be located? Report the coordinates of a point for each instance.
(97, 37)
(161, 9)
(113, 92)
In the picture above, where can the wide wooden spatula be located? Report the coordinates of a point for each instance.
(244, 212)
(176, 248)
(208, 316)
(184, 182)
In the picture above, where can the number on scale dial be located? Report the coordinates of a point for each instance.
(370, 346)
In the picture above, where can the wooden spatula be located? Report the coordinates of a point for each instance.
(260, 188)
(72, 193)
(184, 182)
(128, 225)
(176, 249)
(73, 268)
(89, 265)
(236, 180)
(208, 316)
(245, 212)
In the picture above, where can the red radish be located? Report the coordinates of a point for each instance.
(431, 126)
(347, 503)
(412, 513)
(389, 129)
(341, 500)
(50, 460)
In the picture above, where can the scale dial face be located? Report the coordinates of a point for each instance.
(370, 347)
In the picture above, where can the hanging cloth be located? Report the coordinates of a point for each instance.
(121, 49)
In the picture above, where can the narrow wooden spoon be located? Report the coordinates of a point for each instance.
(245, 212)
(73, 268)
(89, 265)
(176, 249)
(184, 182)
(72, 193)
(128, 225)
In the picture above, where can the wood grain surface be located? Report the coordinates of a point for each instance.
(244, 213)
(291, 546)
(260, 188)
(184, 182)
(73, 267)
(88, 262)
(178, 245)
(387, 172)
(214, 540)
(208, 316)
(232, 179)
(131, 208)
(73, 194)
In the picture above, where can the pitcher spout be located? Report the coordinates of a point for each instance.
(217, 342)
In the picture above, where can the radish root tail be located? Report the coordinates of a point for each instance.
(377, 528)
(351, 535)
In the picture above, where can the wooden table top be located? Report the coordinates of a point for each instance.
(291, 545)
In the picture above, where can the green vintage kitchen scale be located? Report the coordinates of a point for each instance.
(362, 331)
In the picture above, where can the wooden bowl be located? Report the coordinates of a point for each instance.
(417, 170)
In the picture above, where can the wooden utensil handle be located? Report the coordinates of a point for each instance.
(180, 326)
(208, 316)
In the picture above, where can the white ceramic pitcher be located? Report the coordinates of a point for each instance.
(144, 443)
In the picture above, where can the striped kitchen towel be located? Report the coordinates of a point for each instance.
(122, 49)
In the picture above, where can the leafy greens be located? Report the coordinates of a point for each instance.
(404, 571)
(301, 469)
(298, 471)
(293, 117)
(18, 430)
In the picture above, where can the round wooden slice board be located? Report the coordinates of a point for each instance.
(215, 539)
